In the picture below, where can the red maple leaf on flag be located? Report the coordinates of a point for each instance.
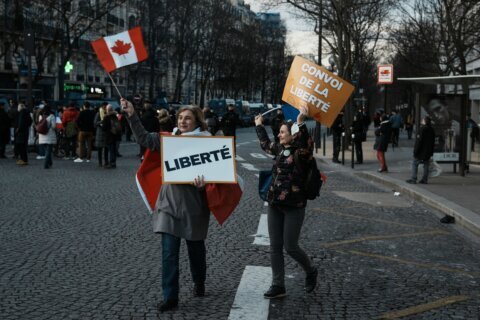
(121, 48)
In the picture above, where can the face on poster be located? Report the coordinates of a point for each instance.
(184, 158)
(445, 114)
(323, 92)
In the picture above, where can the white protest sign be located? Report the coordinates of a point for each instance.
(186, 157)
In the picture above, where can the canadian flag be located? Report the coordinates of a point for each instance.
(222, 198)
(121, 49)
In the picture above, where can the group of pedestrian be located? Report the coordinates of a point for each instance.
(182, 209)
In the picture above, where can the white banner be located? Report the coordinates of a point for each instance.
(185, 157)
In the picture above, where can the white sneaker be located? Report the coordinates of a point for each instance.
(40, 157)
(78, 160)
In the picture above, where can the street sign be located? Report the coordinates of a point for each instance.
(385, 74)
(24, 71)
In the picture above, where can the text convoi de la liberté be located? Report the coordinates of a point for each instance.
(200, 158)
(311, 98)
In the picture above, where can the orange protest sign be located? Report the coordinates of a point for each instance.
(323, 92)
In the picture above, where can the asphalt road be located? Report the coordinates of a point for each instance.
(76, 243)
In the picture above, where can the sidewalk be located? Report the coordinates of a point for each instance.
(450, 193)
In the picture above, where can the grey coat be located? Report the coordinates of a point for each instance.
(181, 209)
(100, 136)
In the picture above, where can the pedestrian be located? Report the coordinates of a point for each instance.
(182, 210)
(86, 127)
(287, 200)
(359, 135)
(474, 131)
(423, 150)
(21, 134)
(13, 115)
(49, 139)
(4, 130)
(69, 120)
(396, 123)
(409, 126)
(382, 138)
(211, 119)
(113, 129)
(337, 130)
(276, 123)
(149, 122)
(229, 122)
(165, 121)
(101, 137)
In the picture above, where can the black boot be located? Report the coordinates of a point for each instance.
(311, 280)
(170, 304)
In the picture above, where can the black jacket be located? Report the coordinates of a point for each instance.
(230, 120)
(85, 120)
(150, 121)
(287, 180)
(337, 126)
(382, 136)
(4, 127)
(424, 143)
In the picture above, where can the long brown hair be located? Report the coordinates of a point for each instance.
(197, 113)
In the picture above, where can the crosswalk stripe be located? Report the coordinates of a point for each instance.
(249, 303)
(261, 237)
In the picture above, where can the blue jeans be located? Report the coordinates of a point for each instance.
(426, 165)
(170, 264)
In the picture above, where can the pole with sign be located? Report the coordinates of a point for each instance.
(385, 77)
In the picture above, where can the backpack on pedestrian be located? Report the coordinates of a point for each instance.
(116, 127)
(313, 177)
(42, 126)
(71, 129)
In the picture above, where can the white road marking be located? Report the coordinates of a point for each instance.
(249, 303)
(261, 237)
(258, 156)
(257, 175)
(238, 158)
(249, 166)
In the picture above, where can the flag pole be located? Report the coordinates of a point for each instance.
(115, 85)
(271, 110)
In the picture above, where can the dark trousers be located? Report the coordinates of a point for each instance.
(284, 226)
(395, 135)
(337, 142)
(22, 151)
(71, 146)
(47, 163)
(359, 150)
(112, 150)
(2, 149)
(102, 156)
(170, 264)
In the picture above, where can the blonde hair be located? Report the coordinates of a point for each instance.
(101, 111)
(197, 113)
(163, 116)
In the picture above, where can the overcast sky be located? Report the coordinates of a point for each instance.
(300, 36)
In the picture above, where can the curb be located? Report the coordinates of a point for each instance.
(463, 217)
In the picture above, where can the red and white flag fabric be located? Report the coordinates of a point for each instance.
(222, 198)
(121, 49)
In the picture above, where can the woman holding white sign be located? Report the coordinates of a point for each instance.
(181, 211)
(287, 199)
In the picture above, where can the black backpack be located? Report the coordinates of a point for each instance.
(313, 179)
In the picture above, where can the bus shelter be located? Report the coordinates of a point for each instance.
(458, 105)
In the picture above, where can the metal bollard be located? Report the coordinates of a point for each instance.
(324, 144)
(353, 151)
(343, 148)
